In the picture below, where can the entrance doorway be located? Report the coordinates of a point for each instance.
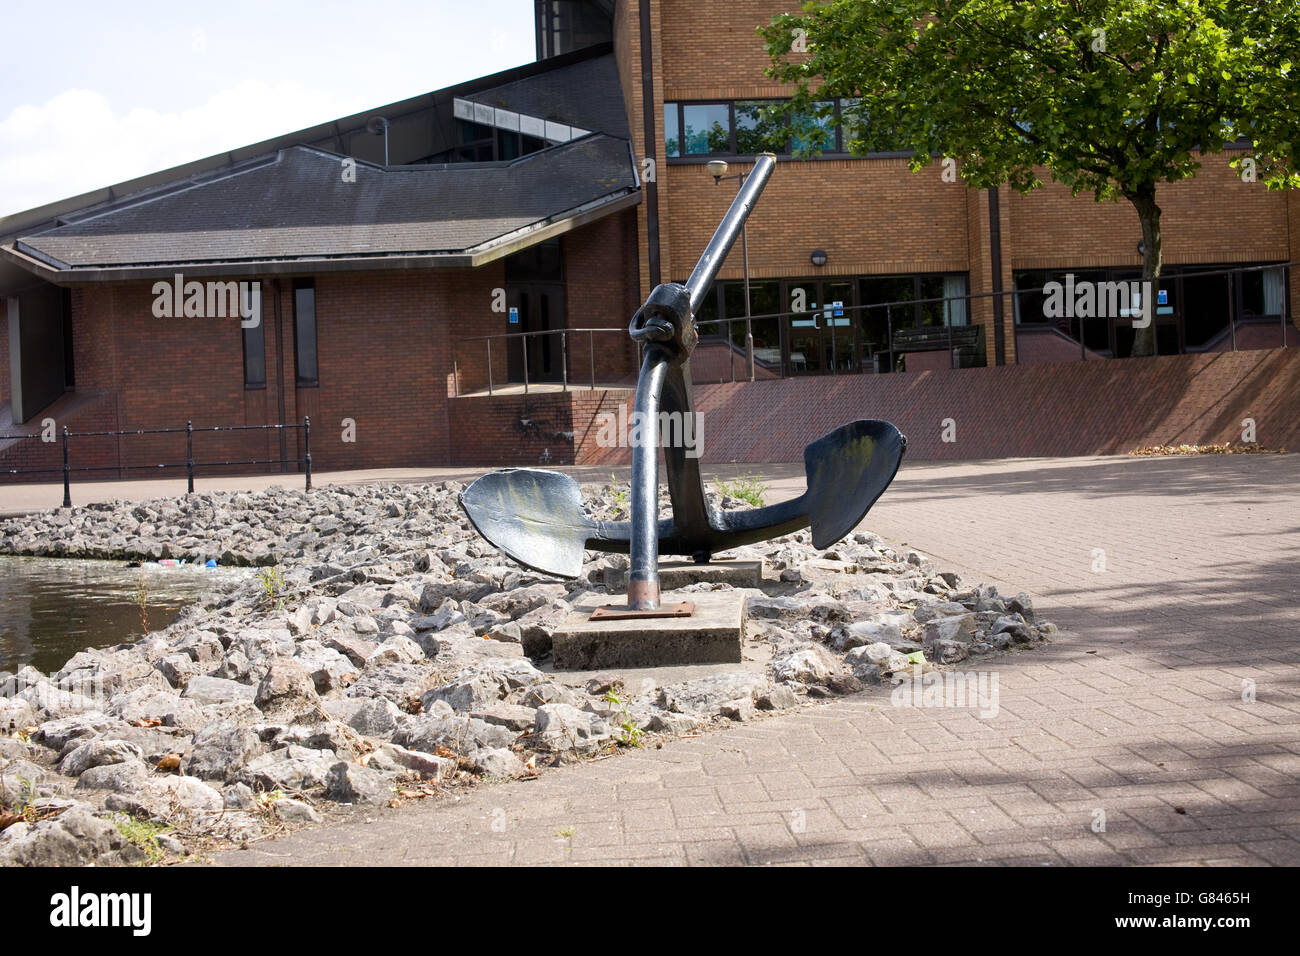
(539, 308)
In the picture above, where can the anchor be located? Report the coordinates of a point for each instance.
(536, 518)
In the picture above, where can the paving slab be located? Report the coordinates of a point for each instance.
(1161, 727)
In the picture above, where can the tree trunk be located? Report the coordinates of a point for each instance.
(1144, 201)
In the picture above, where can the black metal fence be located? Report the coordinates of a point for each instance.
(190, 465)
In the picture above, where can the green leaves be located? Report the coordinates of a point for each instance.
(1112, 96)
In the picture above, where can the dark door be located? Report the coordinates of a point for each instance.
(540, 310)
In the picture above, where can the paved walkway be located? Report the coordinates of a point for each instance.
(1125, 742)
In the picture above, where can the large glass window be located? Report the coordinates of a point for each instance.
(304, 328)
(707, 128)
(759, 129)
(747, 127)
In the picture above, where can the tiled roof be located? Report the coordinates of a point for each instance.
(297, 205)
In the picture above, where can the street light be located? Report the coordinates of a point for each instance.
(718, 170)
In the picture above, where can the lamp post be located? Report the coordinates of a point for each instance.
(718, 170)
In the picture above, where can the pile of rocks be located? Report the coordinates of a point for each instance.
(392, 654)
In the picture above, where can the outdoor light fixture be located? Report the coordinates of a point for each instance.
(717, 169)
(818, 257)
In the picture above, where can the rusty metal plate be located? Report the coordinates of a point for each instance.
(617, 612)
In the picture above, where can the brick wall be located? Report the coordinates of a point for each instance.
(1075, 408)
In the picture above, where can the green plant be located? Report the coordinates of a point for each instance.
(629, 734)
(143, 834)
(141, 600)
(748, 488)
(272, 581)
(617, 492)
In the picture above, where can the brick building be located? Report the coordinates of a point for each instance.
(397, 254)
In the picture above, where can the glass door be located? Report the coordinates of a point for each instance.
(805, 354)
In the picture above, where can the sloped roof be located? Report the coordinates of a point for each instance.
(283, 206)
(296, 207)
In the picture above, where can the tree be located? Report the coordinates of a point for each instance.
(1111, 96)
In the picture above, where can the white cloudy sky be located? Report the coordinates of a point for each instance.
(95, 93)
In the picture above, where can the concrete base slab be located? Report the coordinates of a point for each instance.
(712, 635)
(678, 574)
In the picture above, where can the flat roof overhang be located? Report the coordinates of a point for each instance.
(61, 273)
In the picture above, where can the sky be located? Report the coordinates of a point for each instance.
(95, 93)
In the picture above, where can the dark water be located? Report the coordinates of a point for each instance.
(52, 608)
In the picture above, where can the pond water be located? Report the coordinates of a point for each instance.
(51, 608)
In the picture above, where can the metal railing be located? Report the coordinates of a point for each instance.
(843, 339)
(189, 464)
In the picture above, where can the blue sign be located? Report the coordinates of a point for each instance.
(514, 315)
(1162, 297)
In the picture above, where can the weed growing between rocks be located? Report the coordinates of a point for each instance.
(386, 653)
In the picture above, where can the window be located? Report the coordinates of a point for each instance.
(759, 129)
(255, 356)
(707, 128)
(304, 331)
(747, 127)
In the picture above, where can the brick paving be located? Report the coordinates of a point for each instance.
(1135, 712)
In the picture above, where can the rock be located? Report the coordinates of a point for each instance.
(375, 718)
(178, 669)
(220, 751)
(930, 612)
(949, 652)
(812, 664)
(512, 716)
(97, 753)
(217, 690)
(496, 762)
(55, 734)
(426, 765)
(741, 709)
(290, 768)
(165, 799)
(674, 724)
(868, 632)
(461, 735)
(780, 697)
(561, 727)
(1015, 628)
(295, 811)
(352, 783)
(329, 669)
(396, 682)
(16, 715)
(958, 627)
(287, 692)
(396, 650)
(848, 683)
(804, 606)
(76, 837)
(238, 797)
(703, 694)
(473, 693)
(355, 649)
(124, 776)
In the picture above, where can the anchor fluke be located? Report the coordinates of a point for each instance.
(531, 515)
(847, 470)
